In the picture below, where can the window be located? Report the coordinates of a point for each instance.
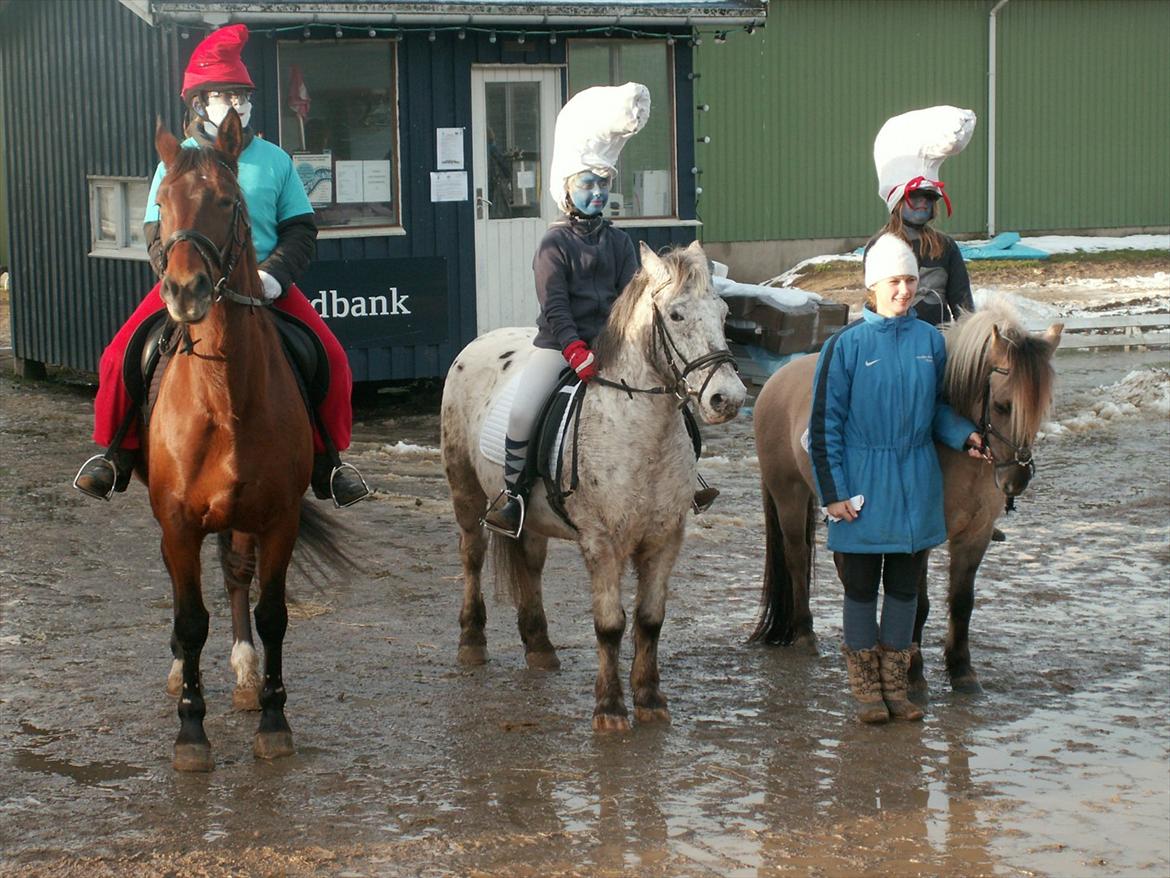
(116, 208)
(645, 187)
(339, 121)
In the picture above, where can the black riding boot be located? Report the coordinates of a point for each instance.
(506, 514)
(101, 476)
(341, 483)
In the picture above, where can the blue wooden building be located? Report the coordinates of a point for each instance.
(422, 133)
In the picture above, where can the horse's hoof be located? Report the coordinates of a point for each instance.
(473, 655)
(543, 661)
(805, 644)
(918, 691)
(193, 757)
(609, 722)
(649, 715)
(272, 745)
(967, 684)
(245, 699)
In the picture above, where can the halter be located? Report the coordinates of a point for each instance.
(1022, 453)
(216, 259)
(681, 388)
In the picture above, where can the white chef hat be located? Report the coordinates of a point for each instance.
(910, 149)
(592, 127)
(889, 256)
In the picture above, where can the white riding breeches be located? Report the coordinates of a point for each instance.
(537, 380)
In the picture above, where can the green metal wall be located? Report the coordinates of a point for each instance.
(1084, 111)
(1084, 114)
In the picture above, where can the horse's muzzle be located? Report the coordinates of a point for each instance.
(188, 302)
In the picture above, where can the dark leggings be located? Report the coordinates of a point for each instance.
(898, 573)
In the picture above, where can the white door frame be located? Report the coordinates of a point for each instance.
(505, 293)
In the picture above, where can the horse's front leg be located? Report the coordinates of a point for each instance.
(609, 623)
(237, 557)
(180, 550)
(918, 689)
(965, 560)
(653, 565)
(274, 736)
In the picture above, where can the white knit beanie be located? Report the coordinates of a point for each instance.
(889, 256)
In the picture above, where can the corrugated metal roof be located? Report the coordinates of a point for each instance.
(731, 12)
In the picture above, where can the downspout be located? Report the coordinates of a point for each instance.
(991, 117)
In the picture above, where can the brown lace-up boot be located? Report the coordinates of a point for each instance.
(866, 684)
(895, 667)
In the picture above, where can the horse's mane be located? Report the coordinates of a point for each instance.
(683, 268)
(1029, 363)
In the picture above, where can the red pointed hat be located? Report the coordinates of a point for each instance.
(216, 61)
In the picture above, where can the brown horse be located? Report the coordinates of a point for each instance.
(229, 449)
(997, 375)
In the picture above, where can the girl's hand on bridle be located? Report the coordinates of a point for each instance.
(975, 448)
(843, 510)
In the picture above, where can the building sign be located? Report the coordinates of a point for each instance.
(380, 302)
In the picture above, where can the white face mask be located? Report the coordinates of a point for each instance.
(217, 110)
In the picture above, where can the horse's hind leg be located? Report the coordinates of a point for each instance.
(180, 551)
(653, 566)
(274, 737)
(237, 557)
(798, 526)
(469, 506)
(918, 688)
(530, 618)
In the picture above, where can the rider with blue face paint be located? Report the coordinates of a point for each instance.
(589, 193)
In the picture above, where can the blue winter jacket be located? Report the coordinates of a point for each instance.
(877, 410)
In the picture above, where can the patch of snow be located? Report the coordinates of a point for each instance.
(1142, 393)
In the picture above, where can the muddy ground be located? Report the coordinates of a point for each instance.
(410, 765)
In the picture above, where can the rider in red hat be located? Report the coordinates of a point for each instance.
(284, 234)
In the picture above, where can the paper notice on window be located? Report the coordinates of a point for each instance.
(376, 181)
(449, 149)
(348, 178)
(448, 185)
(315, 170)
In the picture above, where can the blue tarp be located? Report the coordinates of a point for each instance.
(1005, 245)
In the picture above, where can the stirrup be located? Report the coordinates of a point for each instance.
(333, 494)
(697, 507)
(505, 495)
(108, 462)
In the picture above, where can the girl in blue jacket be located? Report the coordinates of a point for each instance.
(877, 411)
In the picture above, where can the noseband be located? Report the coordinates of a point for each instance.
(681, 388)
(1022, 453)
(217, 260)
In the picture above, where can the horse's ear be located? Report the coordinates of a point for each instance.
(696, 249)
(651, 262)
(230, 137)
(1052, 334)
(165, 142)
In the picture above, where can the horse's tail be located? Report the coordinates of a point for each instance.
(509, 565)
(776, 600)
(320, 553)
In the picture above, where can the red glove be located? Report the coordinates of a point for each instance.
(578, 355)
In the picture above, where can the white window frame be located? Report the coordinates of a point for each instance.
(122, 247)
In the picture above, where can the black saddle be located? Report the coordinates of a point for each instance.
(546, 452)
(151, 344)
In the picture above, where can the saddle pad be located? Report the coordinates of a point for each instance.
(495, 427)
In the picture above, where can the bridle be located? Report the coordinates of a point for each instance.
(681, 388)
(216, 259)
(1021, 454)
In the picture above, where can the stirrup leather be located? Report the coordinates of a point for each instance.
(505, 495)
(109, 463)
(332, 493)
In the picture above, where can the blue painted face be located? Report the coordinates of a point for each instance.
(589, 192)
(918, 207)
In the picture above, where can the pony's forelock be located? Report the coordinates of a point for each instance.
(1030, 375)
